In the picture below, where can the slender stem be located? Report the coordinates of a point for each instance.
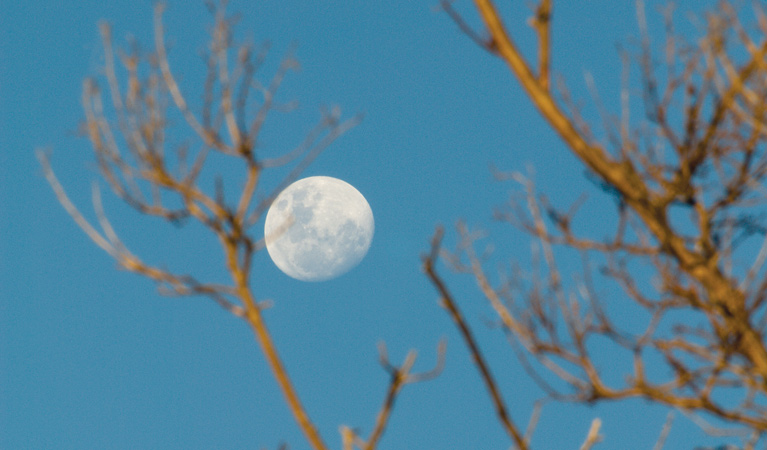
(267, 345)
(623, 176)
(256, 321)
(542, 23)
(468, 337)
(399, 378)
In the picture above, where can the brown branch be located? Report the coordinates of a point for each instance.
(288, 64)
(448, 303)
(144, 177)
(400, 376)
(593, 156)
(71, 209)
(312, 152)
(483, 43)
(716, 170)
(542, 24)
(398, 379)
(255, 319)
(650, 208)
(172, 85)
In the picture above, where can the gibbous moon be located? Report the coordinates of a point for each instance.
(318, 228)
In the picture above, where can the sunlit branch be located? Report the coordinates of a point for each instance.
(485, 44)
(542, 25)
(147, 179)
(71, 209)
(400, 376)
(311, 154)
(170, 82)
(288, 64)
(255, 318)
(593, 437)
(706, 109)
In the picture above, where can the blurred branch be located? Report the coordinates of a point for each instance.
(541, 21)
(485, 44)
(131, 149)
(71, 209)
(664, 432)
(400, 376)
(701, 149)
(593, 437)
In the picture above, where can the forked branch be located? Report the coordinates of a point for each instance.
(702, 149)
(131, 148)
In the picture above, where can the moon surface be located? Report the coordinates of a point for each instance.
(318, 228)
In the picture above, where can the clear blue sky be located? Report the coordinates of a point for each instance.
(92, 357)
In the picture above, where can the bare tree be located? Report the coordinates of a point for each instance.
(128, 133)
(701, 148)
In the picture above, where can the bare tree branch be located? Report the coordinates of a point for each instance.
(701, 148)
(130, 146)
(447, 302)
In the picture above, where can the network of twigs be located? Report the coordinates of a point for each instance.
(128, 134)
(701, 148)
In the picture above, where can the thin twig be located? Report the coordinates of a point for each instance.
(61, 195)
(448, 303)
(542, 25)
(484, 44)
(593, 437)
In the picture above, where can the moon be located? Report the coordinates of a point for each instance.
(318, 228)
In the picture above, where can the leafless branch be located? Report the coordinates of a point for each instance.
(447, 302)
(593, 437)
(701, 148)
(485, 44)
(137, 163)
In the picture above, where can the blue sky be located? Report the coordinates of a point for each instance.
(93, 357)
